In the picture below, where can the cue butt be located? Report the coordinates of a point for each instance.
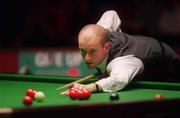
(6, 112)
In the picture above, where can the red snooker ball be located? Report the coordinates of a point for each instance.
(159, 97)
(31, 93)
(86, 94)
(73, 94)
(80, 95)
(27, 100)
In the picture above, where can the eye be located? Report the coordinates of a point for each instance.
(83, 53)
(93, 52)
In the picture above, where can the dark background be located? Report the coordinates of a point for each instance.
(56, 23)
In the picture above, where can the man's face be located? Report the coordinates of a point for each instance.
(93, 52)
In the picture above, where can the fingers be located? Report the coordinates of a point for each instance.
(90, 87)
(79, 86)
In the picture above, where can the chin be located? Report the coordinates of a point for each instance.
(90, 66)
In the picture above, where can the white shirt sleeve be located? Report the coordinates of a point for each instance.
(110, 20)
(121, 70)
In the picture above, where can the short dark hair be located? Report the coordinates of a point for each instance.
(104, 37)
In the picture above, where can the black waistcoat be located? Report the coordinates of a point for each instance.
(154, 54)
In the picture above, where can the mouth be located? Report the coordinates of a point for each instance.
(88, 63)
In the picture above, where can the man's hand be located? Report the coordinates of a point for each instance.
(91, 87)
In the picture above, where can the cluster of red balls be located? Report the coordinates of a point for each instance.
(79, 94)
(30, 96)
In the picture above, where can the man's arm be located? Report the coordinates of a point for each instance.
(122, 70)
(110, 20)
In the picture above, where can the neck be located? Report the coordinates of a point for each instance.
(102, 65)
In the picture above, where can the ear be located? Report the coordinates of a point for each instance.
(107, 47)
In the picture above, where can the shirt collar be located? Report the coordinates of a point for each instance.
(102, 65)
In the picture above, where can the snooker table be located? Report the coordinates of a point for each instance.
(136, 100)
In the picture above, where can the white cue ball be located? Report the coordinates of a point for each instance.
(39, 96)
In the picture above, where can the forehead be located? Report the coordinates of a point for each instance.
(89, 43)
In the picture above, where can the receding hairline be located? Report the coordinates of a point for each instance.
(97, 31)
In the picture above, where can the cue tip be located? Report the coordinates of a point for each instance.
(65, 92)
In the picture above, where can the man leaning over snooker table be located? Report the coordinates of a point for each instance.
(120, 58)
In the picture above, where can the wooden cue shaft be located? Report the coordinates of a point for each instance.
(77, 81)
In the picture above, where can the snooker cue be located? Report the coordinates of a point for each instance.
(77, 81)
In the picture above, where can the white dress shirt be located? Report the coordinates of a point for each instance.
(110, 20)
(121, 71)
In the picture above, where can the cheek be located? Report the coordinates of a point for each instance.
(99, 56)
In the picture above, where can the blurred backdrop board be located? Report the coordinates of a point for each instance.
(47, 61)
(64, 62)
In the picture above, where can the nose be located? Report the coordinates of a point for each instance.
(87, 58)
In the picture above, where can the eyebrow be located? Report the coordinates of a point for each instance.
(81, 49)
(92, 49)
